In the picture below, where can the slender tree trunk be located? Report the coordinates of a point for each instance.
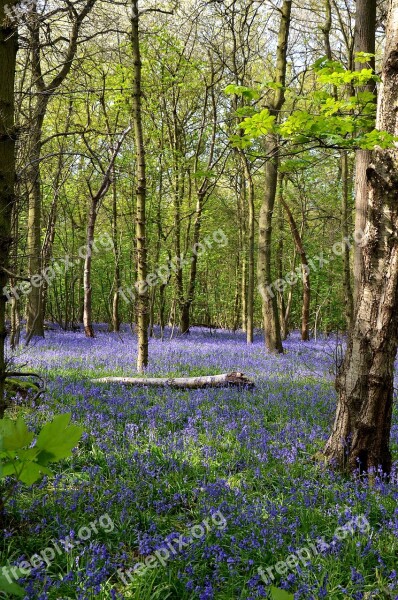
(236, 295)
(272, 331)
(8, 51)
(242, 212)
(87, 306)
(140, 221)
(279, 263)
(250, 250)
(305, 312)
(48, 247)
(361, 431)
(15, 331)
(34, 309)
(116, 268)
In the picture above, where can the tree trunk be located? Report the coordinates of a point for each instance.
(34, 309)
(243, 251)
(305, 311)
(364, 41)
(15, 330)
(48, 245)
(8, 51)
(140, 172)
(345, 229)
(116, 254)
(250, 249)
(272, 331)
(361, 430)
(87, 306)
(283, 308)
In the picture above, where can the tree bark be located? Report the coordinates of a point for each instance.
(345, 229)
(116, 254)
(142, 306)
(272, 333)
(361, 431)
(364, 41)
(8, 52)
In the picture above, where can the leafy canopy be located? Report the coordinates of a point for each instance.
(322, 116)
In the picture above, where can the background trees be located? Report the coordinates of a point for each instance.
(203, 73)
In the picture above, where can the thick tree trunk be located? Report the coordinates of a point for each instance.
(8, 51)
(140, 172)
(362, 424)
(224, 380)
(364, 41)
(346, 229)
(272, 333)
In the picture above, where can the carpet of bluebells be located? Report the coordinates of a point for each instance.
(159, 461)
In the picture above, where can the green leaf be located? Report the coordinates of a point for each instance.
(15, 434)
(259, 124)
(374, 138)
(26, 471)
(363, 57)
(10, 588)
(241, 90)
(278, 594)
(57, 439)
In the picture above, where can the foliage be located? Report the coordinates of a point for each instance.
(322, 117)
(27, 462)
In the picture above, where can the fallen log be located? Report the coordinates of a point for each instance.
(191, 383)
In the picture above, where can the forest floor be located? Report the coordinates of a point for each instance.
(217, 482)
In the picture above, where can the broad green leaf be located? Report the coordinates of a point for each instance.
(10, 588)
(15, 434)
(32, 472)
(26, 471)
(57, 439)
(278, 594)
